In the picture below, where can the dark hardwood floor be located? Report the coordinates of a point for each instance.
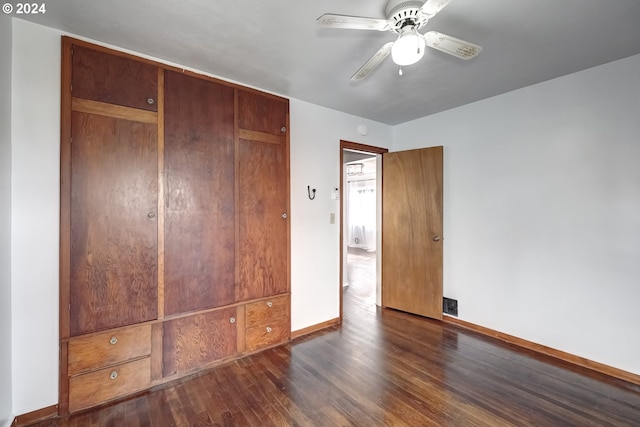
(379, 368)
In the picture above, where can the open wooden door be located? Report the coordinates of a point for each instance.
(412, 231)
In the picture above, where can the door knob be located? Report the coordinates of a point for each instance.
(436, 238)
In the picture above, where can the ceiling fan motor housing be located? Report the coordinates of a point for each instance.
(402, 13)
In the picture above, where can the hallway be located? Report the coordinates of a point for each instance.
(361, 272)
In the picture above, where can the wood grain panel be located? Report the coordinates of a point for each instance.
(161, 212)
(262, 113)
(114, 184)
(199, 193)
(108, 348)
(103, 385)
(114, 79)
(65, 223)
(262, 312)
(261, 136)
(263, 195)
(111, 110)
(156, 351)
(270, 333)
(195, 341)
(411, 220)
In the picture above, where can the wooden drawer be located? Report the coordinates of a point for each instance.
(268, 334)
(265, 311)
(108, 348)
(106, 384)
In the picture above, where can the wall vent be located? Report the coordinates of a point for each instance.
(450, 306)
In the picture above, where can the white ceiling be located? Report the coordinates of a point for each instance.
(276, 45)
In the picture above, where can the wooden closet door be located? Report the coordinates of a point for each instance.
(114, 79)
(263, 189)
(199, 255)
(113, 271)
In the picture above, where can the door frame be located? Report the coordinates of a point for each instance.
(348, 145)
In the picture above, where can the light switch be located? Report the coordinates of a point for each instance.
(332, 218)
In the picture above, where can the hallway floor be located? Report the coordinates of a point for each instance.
(361, 272)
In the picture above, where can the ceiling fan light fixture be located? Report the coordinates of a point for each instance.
(409, 48)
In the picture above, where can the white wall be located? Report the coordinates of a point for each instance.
(542, 211)
(315, 243)
(315, 161)
(35, 125)
(6, 415)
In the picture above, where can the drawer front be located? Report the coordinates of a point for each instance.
(268, 334)
(108, 348)
(261, 312)
(106, 384)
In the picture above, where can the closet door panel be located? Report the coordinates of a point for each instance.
(114, 79)
(262, 228)
(199, 194)
(113, 274)
(261, 113)
(194, 341)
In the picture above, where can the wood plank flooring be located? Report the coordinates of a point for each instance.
(382, 368)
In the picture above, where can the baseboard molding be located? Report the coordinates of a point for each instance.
(314, 328)
(36, 416)
(548, 351)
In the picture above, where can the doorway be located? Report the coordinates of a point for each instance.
(411, 251)
(360, 213)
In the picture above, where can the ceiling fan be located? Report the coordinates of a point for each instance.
(404, 18)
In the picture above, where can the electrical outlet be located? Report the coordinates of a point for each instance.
(450, 306)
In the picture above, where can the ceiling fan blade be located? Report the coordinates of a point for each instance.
(372, 63)
(451, 45)
(352, 22)
(431, 7)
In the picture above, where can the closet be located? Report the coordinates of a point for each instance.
(174, 241)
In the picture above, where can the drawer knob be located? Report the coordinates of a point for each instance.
(232, 320)
(151, 101)
(283, 129)
(113, 341)
(269, 304)
(269, 329)
(113, 375)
